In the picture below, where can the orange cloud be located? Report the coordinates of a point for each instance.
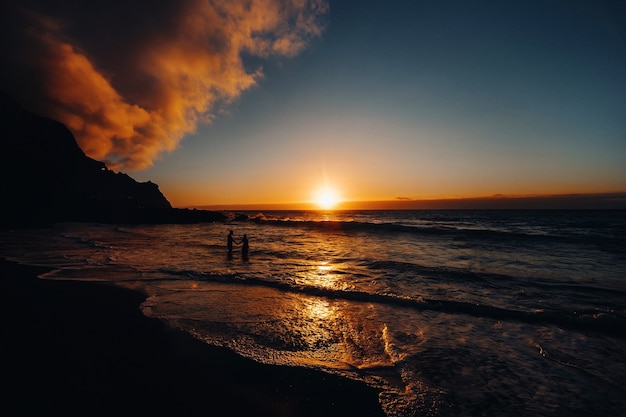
(132, 99)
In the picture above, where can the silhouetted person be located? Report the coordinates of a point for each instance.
(229, 242)
(244, 247)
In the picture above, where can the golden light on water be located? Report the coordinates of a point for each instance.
(324, 267)
(322, 274)
(319, 309)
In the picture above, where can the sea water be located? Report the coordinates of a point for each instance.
(446, 313)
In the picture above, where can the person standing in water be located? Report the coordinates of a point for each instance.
(229, 243)
(244, 247)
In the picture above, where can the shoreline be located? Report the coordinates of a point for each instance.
(85, 348)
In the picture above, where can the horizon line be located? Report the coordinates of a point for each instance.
(587, 201)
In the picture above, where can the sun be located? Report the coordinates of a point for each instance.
(326, 198)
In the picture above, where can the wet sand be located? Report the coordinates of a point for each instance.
(85, 349)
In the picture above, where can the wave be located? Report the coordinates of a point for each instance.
(439, 273)
(606, 238)
(610, 322)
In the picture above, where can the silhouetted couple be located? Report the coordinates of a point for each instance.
(243, 242)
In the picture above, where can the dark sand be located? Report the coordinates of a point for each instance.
(85, 349)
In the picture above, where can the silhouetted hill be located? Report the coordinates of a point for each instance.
(46, 178)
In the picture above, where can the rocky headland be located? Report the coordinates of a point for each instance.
(47, 178)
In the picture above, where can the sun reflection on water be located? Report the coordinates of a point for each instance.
(323, 274)
(323, 267)
(318, 309)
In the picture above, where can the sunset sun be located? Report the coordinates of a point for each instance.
(326, 198)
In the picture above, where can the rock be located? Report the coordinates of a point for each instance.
(46, 178)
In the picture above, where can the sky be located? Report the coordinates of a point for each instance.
(265, 101)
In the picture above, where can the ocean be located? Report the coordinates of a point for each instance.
(446, 313)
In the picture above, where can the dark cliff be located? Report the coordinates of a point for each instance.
(47, 178)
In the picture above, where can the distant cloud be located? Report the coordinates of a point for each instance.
(131, 79)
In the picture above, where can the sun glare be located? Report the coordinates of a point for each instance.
(326, 198)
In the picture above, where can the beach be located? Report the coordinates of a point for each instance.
(82, 348)
(395, 313)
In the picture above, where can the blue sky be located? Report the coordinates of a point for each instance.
(424, 100)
